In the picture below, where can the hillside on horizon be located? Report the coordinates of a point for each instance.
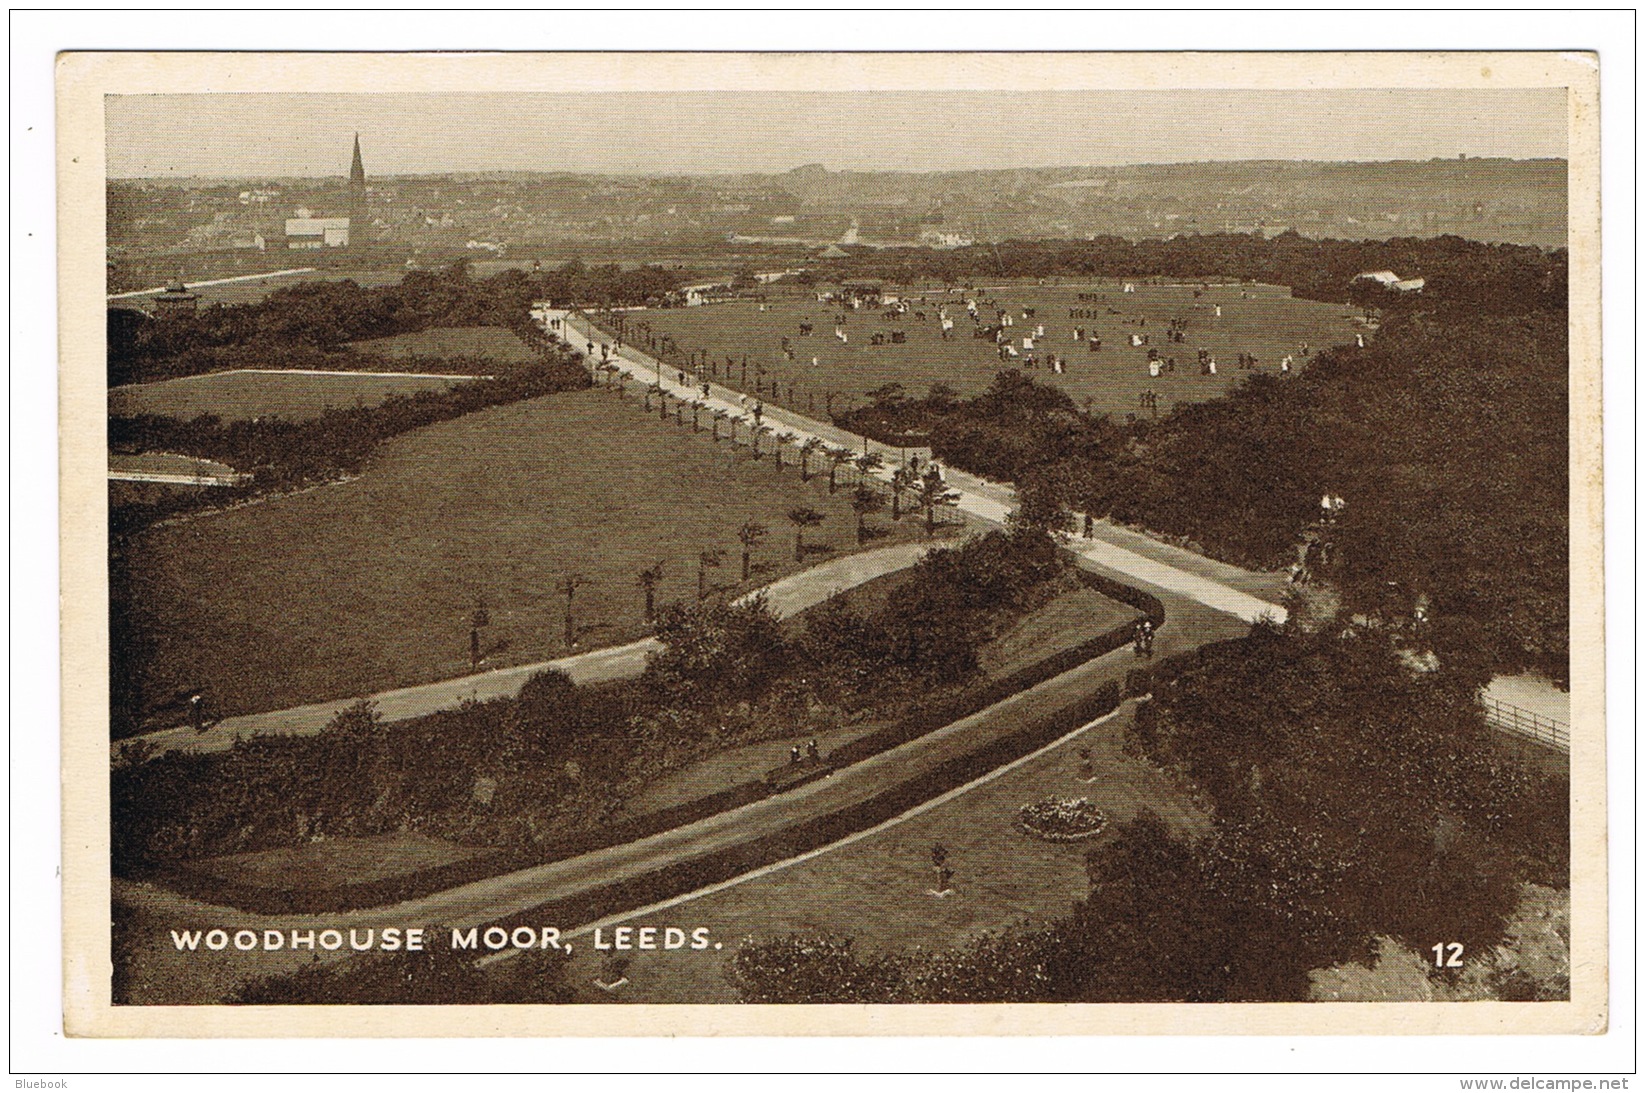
(1493, 200)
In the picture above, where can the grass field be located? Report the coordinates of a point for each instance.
(875, 890)
(369, 584)
(242, 395)
(1259, 319)
(490, 342)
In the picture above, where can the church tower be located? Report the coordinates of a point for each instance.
(358, 210)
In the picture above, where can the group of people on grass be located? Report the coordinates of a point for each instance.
(1029, 350)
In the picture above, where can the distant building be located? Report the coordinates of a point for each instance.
(943, 240)
(316, 232)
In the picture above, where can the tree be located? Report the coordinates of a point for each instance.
(940, 396)
(1040, 508)
(888, 396)
(933, 493)
(749, 535)
(782, 438)
(716, 652)
(706, 560)
(837, 458)
(803, 518)
(649, 577)
(359, 720)
(696, 411)
(811, 445)
(867, 463)
(756, 431)
(568, 588)
(865, 501)
(902, 479)
(543, 692)
(719, 416)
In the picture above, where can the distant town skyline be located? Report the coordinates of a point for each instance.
(243, 136)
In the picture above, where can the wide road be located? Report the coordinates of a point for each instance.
(788, 596)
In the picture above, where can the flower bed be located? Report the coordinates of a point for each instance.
(1061, 820)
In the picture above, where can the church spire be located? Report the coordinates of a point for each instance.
(357, 170)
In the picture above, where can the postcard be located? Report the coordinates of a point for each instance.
(825, 543)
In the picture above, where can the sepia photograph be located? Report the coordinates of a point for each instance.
(861, 530)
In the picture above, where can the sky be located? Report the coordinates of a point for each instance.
(259, 135)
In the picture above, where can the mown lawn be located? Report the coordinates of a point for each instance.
(1259, 319)
(369, 584)
(1076, 615)
(243, 395)
(490, 342)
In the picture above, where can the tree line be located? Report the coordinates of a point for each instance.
(306, 321)
(1482, 278)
